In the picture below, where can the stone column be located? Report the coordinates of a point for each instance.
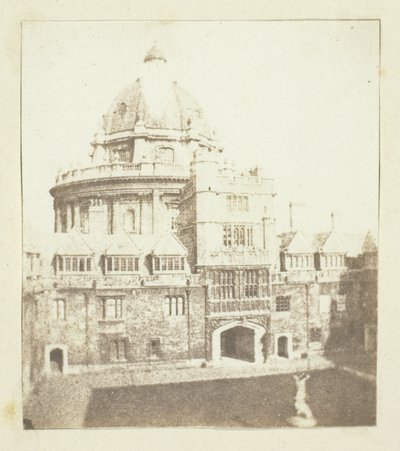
(156, 209)
(116, 217)
(140, 215)
(57, 225)
(110, 215)
(77, 217)
(69, 217)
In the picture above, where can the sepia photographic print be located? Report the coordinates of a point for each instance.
(200, 223)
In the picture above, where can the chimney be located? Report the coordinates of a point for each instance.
(332, 221)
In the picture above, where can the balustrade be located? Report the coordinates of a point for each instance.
(238, 306)
(122, 169)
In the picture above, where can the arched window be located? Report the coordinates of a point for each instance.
(174, 306)
(130, 221)
(181, 306)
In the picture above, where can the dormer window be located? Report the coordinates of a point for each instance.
(122, 264)
(168, 264)
(299, 261)
(73, 264)
(332, 261)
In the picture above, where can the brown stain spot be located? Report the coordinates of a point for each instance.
(382, 72)
(9, 412)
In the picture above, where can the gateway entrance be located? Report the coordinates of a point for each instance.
(238, 343)
(241, 340)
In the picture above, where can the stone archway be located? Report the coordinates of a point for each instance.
(284, 345)
(241, 340)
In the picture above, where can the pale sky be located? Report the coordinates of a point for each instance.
(298, 98)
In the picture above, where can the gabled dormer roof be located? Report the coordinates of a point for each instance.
(72, 243)
(319, 240)
(329, 243)
(122, 243)
(296, 243)
(169, 244)
(285, 239)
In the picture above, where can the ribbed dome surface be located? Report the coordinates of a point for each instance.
(172, 108)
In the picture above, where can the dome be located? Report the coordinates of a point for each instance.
(156, 102)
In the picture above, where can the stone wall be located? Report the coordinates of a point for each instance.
(86, 334)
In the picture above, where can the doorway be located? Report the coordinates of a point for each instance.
(283, 347)
(241, 340)
(56, 361)
(238, 343)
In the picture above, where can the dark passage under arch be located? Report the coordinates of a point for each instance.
(238, 343)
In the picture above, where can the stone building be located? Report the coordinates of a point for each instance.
(163, 252)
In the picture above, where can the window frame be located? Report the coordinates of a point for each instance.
(59, 313)
(74, 264)
(283, 304)
(120, 345)
(251, 283)
(174, 305)
(116, 307)
(168, 264)
(121, 264)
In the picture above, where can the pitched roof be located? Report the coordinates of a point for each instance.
(319, 239)
(286, 238)
(353, 243)
(71, 243)
(168, 244)
(122, 244)
(329, 242)
(296, 242)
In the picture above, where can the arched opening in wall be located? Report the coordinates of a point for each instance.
(283, 347)
(238, 343)
(242, 340)
(56, 361)
(130, 221)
